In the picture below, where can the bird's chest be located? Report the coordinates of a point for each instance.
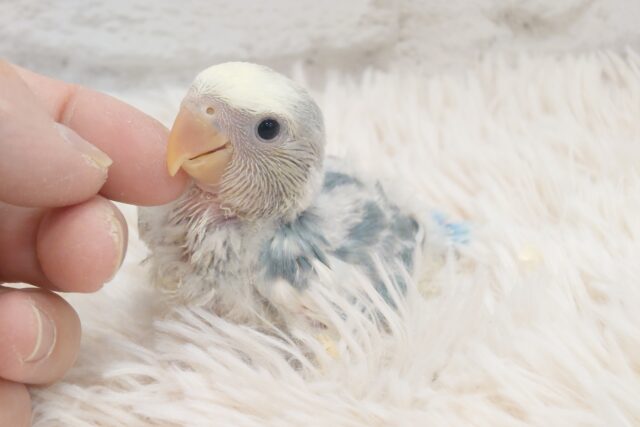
(226, 254)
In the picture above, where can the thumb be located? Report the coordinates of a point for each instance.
(42, 163)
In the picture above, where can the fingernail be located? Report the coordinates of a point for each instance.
(45, 337)
(117, 232)
(93, 155)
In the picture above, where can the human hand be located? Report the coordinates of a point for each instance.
(58, 229)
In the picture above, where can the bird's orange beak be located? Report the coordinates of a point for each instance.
(196, 146)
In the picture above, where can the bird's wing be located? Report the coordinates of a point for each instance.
(293, 250)
(354, 223)
(378, 237)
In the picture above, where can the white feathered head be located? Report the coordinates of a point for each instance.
(251, 136)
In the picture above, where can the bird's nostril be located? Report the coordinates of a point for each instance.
(210, 110)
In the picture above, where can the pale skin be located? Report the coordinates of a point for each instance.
(65, 153)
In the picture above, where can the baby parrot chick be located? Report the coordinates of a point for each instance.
(267, 216)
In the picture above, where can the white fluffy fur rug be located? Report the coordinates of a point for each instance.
(536, 323)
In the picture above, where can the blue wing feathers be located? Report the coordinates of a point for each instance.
(381, 231)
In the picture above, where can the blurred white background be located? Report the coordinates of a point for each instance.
(121, 44)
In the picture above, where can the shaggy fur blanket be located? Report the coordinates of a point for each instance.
(535, 322)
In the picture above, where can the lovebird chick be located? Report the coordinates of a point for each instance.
(267, 217)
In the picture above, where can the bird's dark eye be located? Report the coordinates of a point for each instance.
(268, 129)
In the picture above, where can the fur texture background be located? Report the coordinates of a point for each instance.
(536, 323)
(133, 43)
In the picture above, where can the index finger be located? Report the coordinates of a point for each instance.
(134, 141)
